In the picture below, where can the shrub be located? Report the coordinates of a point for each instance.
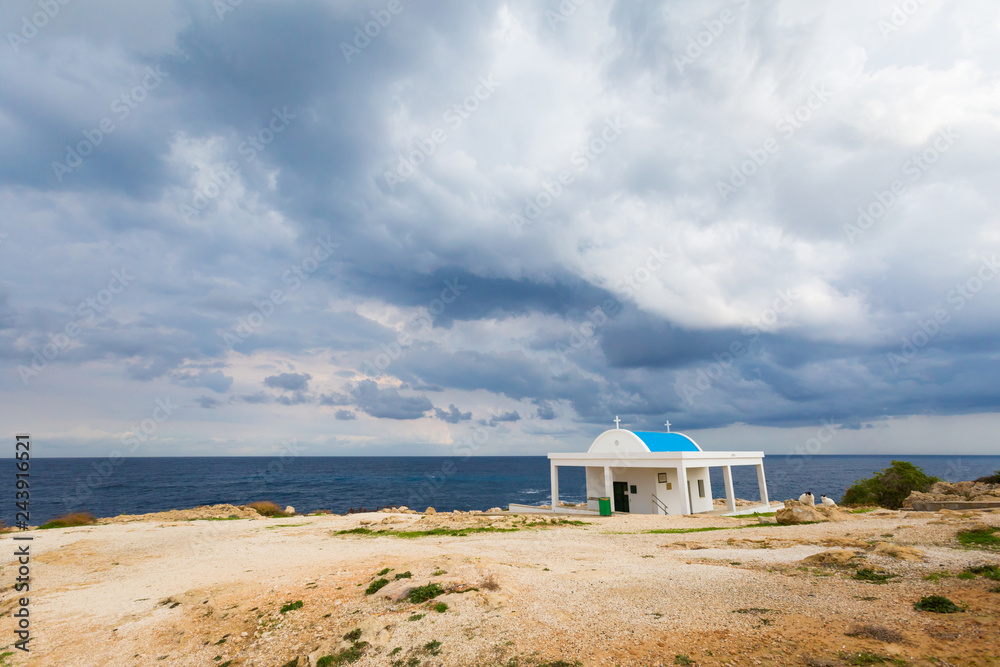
(376, 586)
(267, 508)
(937, 604)
(440, 607)
(353, 636)
(403, 575)
(490, 582)
(70, 520)
(866, 574)
(424, 593)
(383, 572)
(990, 479)
(433, 647)
(343, 657)
(890, 487)
(291, 606)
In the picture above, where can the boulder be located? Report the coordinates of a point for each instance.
(899, 551)
(289, 510)
(494, 510)
(844, 543)
(831, 557)
(794, 513)
(833, 513)
(430, 510)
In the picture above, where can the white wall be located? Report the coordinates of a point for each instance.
(699, 504)
(645, 481)
(595, 487)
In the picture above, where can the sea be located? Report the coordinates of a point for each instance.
(342, 484)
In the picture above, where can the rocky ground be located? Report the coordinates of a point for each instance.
(510, 591)
(960, 491)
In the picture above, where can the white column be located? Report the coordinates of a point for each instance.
(763, 485)
(682, 481)
(609, 488)
(727, 474)
(555, 486)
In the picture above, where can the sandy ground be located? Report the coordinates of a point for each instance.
(603, 593)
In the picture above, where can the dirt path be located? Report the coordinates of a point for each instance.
(602, 593)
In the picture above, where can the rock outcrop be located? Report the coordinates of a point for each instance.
(956, 491)
(794, 513)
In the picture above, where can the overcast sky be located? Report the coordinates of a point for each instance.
(395, 226)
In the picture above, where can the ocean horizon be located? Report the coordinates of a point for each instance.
(341, 483)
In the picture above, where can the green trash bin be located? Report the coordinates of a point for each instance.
(605, 505)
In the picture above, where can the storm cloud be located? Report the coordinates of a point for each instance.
(783, 222)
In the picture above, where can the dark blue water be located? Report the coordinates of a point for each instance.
(139, 485)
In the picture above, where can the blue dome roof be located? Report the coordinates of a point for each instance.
(667, 442)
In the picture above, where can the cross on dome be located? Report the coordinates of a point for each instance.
(616, 421)
(668, 426)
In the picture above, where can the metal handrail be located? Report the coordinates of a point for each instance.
(657, 503)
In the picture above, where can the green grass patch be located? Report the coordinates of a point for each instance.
(286, 525)
(438, 573)
(862, 510)
(384, 572)
(376, 586)
(344, 656)
(682, 659)
(357, 531)
(988, 571)
(70, 520)
(560, 663)
(440, 607)
(353, 636)
(966, 575)
(416, 617)
(424, 593)
(937, 604)
(873, 577)
(935, 576)
(403, 575)
(219, 518)
(291, 606)
(433, 647)
(979, 539)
